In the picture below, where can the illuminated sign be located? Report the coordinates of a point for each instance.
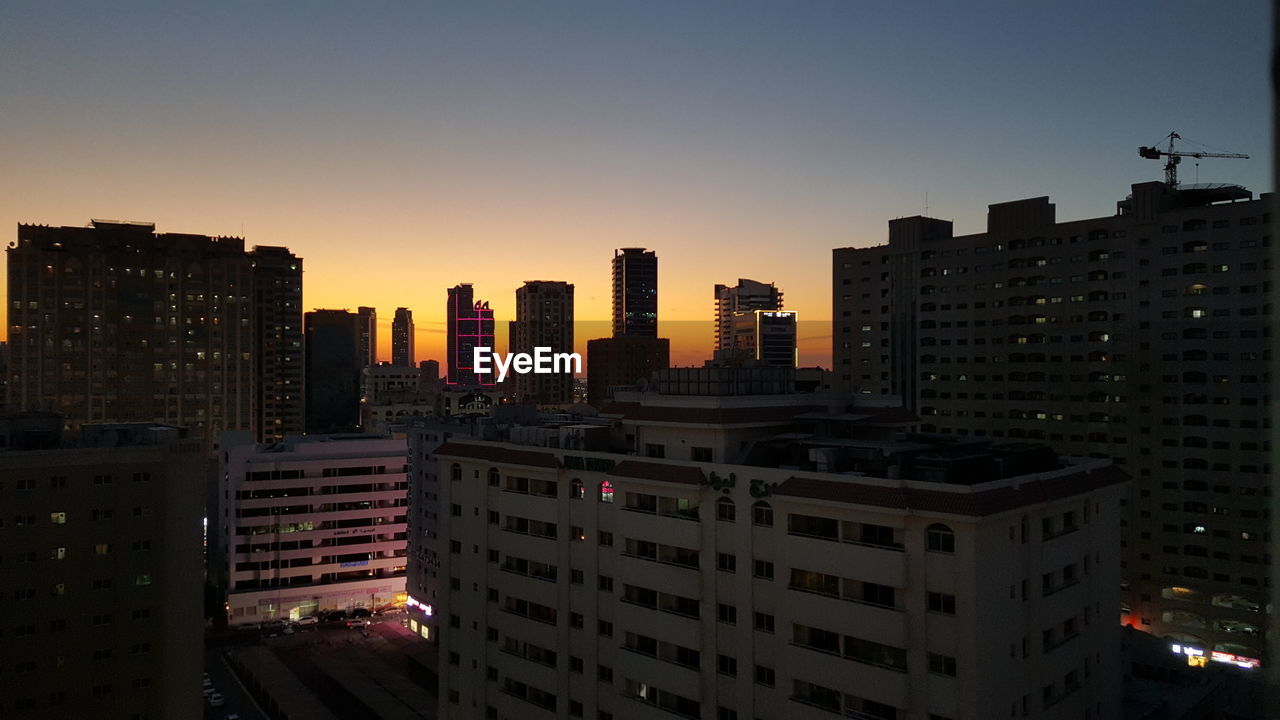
(1196, 657)
(424, 607)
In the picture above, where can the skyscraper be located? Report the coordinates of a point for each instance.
(333, 371)
(368, 336)
(1139, 336)
(635, 293)
(544, 318)
(402, 339)
(114, 322)
(470, 326)
(279, 362)
(746, 296)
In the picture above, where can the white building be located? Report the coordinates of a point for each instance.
(314, 523)
(911, 578)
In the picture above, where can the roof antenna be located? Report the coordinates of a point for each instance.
(926, 203)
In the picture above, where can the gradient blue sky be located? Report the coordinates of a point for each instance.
(404, 147)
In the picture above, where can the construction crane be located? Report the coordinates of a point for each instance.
(1175, 157)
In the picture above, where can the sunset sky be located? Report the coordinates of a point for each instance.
(401, 148)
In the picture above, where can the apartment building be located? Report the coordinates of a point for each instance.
(313, 523)
(745, 297)
(101, 581)
(1141, 336)
(115, 322)
(836, 567)
(544, 318)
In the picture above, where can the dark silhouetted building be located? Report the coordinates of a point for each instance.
(402, 339)
(622, 361)
(103, 595)
(635, 293)
(470, 326)
(279, 363)
(544, 318)
(368, 336)
(430, 370)
(1140, 336)
(114, 322)
(333, 371)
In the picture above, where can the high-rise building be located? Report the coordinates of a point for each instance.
(115, 322)
(622, 361)
(368, 336)
(1140, 336)
(430, 370)
(279, 364)
(746, 296)
(864, 573)
(314, 523)
(402, 339)
(766, 337)
(544, 318)
(470, 325)
(635, 293)
(103, 598)
(333, 371)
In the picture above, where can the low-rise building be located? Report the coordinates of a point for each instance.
(313, 523)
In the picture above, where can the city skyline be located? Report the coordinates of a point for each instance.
(779, 145)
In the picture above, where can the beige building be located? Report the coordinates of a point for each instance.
(835, 567)
(1141, 336)
(311, 524)
(101, 580)
(544, 318)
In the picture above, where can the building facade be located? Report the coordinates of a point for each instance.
(767, 337)
(544, 318)
(280, 363)
(635, 293)
(368, 336)
(403, 352)
(745, 297)
(622, 360)
(891, 578)
(1141, 336)
(470, 325)
(103, 596)
(115, 322)
(333, 371)
(312, 524)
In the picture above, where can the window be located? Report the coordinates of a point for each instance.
(606, 491)
(494, 477)
(764, 622)
(941, 539)
(575, 490)
(455, 472)
(726, 562)
(762, 514)
(701, 454)
(725, 510)
(727, 614)
(942, 603)
(726, 665)
(762, 569)
(942, 665)
(765, 676)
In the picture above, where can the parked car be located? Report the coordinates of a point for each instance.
(335, 616)
(232, 716)
(209, 690)
(393, 610)
(357, 623)
(361, 613)
(308, 620)
(216, 700)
